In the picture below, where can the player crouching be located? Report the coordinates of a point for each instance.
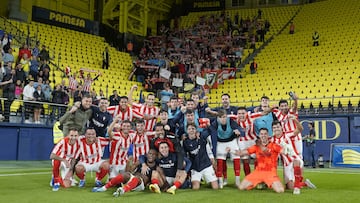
(62, 157)
(133, 182)
(171, 175)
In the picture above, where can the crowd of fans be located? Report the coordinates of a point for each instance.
(213, 43)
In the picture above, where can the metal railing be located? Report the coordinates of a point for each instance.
(22, 112)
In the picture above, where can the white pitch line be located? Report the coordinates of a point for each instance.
(24, 174)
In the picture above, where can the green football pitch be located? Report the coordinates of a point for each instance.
(29, 182)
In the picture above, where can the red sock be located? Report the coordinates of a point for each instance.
(100, 175)
(237, 167)
(219, 168)
(224, 169)
(81, 175)
(115, 181)
(56, 170)
(155, 181)
(131, 184)
(255, 163)
(177, 184)
(298, 177)
(246, 167)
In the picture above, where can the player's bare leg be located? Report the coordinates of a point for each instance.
(278, 187)
(103, 171)
(245, 184)
(179, 180)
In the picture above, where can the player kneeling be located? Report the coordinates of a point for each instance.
(90, 154)
(267, 154)
(62, 157)
(135, 182)
(171, 175)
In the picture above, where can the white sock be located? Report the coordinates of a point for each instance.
(237, 180)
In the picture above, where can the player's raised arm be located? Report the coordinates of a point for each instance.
(130, 99)
(112, 125)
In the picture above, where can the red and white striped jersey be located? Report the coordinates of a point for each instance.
(145, 110)
(129, 114)
(120, 145)
(141, 144)
(87, 85)
(248, 126)
(288, 125)
(65, 150)
(285, 142)
(73, 83)
(91, 153)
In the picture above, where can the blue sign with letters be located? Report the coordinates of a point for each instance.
(327, 131)
(345, 155)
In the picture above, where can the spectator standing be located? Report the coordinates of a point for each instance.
(292, 28)
(28, 96)
(106, 59)
(20, 73)
(316, 38)
(34, 67)
(114, 99)
(18, 89)
(8, 87)
(166, 94)
(253, 67)
(39, 96)
(310, 145)
(8, 56)
(44, 54)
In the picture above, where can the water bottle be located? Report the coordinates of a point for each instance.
(291, 94)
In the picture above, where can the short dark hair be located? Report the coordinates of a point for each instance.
(283, 101)
(191, 124)
(189, 100)
(275, 123)
(264, 129)
(221, 112)
(126, 121)
(225, 94)
(241, 108)
(86, 95)
(265, 97)
(189, 111)
(89, 128)
(139, 121)
(163, 111)
(150, 94)
(159, 125)
(123, 97)
(173, 98)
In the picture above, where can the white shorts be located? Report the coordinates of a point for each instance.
(63, 170)
(170, 180)
(299, 147)
(221, 149)
(289, 172)
(244, 144)
(95, 167)
(208, 174)
(116, 170)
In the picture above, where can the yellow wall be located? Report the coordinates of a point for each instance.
(79, 8)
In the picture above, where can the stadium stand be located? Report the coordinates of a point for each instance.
(326, 73)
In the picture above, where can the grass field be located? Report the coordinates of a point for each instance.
(29, 182)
